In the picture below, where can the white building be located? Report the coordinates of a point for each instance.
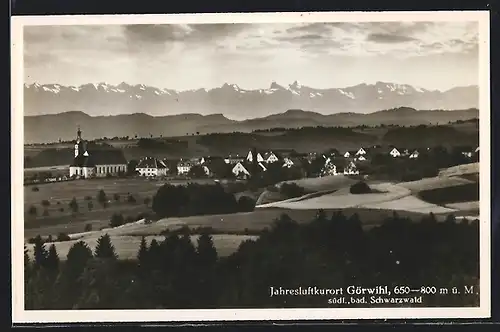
(270, 158)
(99, 162)
(151, 167)
(351, 169)
(414, 155)
(240, 171)
(395, 153)
(183, 167)
(250, 157)
(361, 152)
(347, 154)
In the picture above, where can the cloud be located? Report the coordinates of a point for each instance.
(388, 38)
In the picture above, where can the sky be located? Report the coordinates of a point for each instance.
(430, 55)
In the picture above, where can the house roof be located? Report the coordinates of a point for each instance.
(100, 157)
(151, 163)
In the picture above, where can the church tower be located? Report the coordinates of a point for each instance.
(78, 141)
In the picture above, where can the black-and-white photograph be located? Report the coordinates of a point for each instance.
(249, 163)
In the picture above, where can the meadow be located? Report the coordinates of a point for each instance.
(330, 194)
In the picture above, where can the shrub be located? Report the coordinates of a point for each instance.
(116, 196)
(63, 237)
(35, 189)
(292, 190)
(45, 213)
(360, 188)
(131, 199)
(32, 210)
(246, 204)
(88, 228)
(61, 209)
(45, 203)
(116, 220)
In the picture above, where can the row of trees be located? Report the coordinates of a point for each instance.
(329, 252)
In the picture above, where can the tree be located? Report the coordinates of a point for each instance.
(32, 210)
(45, 213)
(246, 204)
(143, 252)
(73, 205)
(88, 227)
(39, 252)
(90, 205)
(131, 199)
(116, 196)
(197, 171)
(45, 203)
(360, 188)
(102, 198)
(147, 201)
(52, 260)
(104, 248)
(207, 254)
(116, 220)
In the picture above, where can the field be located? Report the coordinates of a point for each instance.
(60, 218)
(410, 199)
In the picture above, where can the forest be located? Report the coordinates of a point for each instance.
(331, 251)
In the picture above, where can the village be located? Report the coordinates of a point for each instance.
(112, 163)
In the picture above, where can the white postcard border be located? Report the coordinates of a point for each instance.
(20, 315)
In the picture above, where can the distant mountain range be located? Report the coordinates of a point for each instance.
(237, 103)
(52, 127)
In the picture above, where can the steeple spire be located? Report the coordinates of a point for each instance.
(78, 134)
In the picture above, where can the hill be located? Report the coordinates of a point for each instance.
(303, 140)
(53, 127)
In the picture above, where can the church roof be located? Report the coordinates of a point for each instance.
(100, 157)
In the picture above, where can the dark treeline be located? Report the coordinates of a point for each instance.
(330, 252)
(195, 199)
(428, 164)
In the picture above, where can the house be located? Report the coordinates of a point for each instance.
(151, 167)
(347, 154)
(240, 171)
(288, 162)
(395, 153)
(360, 158)
(97, 163)
(270, 157)
(477, 150)
(250, 156)
(351, 169)
(183, 167)
(361, 152)
(415, 154)
(329, 168)
(234, 159)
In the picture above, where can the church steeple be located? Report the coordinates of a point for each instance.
(78, 135)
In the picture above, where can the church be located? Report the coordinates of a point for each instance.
(97, 163)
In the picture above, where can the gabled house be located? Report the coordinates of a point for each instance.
(288, 162)
(347, 154)
(270, 157)
(351, 169)
(414, 155)
(258, 156)
(395, 153)
(329, 168)
(361, 152)
(151, 167)
(240, 171)
(360, 158)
